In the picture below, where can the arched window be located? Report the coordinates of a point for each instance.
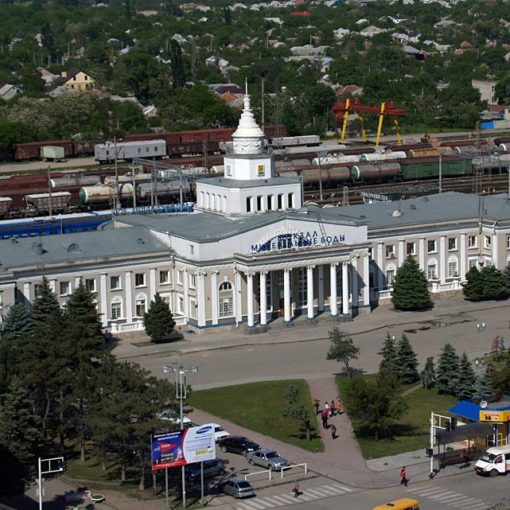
(391, 270)
(140, 304)
(116, 308)
(453, 267)
(432, 269)
(226, 300)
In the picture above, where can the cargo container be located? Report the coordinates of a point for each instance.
(51, 153)
(41, 201)
(31, 150)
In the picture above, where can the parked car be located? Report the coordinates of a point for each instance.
(211, 468)
(268, 458)
(219, 432)
(238, 444)
(238, 488)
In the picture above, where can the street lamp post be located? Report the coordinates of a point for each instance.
(59, 461)
(480, 326)
(181, 393)
(319, 156)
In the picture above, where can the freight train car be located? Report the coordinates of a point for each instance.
(44, 202)
(428, 168)
(31, 150)
(109, 151)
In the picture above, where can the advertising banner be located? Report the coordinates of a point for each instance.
(173, 449)
(497, 416)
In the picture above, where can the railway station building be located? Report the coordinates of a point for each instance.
(253, 252)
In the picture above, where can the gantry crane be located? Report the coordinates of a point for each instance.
(341, 111)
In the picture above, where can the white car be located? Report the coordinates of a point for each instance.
(219, 432)
(169, 415)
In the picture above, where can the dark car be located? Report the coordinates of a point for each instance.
(238, 444)
(211, 468)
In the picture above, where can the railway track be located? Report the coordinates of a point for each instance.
(351, 195)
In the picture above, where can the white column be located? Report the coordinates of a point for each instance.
(249, 292)
(263, 298)
(495, 249)
(104, 300)
(401, 253)
(152, 282)
(462, 268)
(186, 294)
(286, 294)
(26, 291)
(53, 285)
(421, 255)
(237, 297)
(201, 300)
(355, 286)
(442, 260)
(333, 299)
(309, 291)
(77, 280)
(214, 297)
(380, 264)
(129, 297)
(366, 280)
(321, 288)
(345, 288)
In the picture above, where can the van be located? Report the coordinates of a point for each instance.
(495, 461)
(399, 504)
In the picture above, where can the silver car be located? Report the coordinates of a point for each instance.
(268, 458)
(238, 488)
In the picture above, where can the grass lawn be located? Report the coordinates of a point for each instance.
(412, 433)
(258, 406)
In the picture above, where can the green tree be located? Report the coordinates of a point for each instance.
(466, 383)
(494, 283)
(410, 291)
(298, 410)
(375, 404)
(158, 320)
(447, 372)
(407, 362)
(428, 376)
(342, 349)
(388, 363)
(177, 65)
(473, 287)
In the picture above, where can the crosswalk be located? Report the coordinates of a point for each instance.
(307, 494)
(448, 498)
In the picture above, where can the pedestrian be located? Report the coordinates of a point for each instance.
(403, 476)
(296, 490)
(333, 432)
(316, 404)
(338, 406)
(332, 408)
(324, 417)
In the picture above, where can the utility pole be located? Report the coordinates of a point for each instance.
(440, 172)
(116, 200)
(262, 100)
(50, 208)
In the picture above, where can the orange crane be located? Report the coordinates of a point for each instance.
(342, 109)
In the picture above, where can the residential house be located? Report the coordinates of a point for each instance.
(50, 79)
(308, 50)
(77, 80)
(372, 30)
(340, 33)
(487, 89)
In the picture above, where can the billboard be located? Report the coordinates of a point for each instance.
(173, 449)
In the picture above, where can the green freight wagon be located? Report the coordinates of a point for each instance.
(52, 153)
(428, 168)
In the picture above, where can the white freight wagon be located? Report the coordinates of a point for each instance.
(109, 151)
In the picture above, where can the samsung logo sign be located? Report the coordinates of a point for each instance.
(204, 430)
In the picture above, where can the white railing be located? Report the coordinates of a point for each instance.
(304, 465)
(385, 294)
(266, 471)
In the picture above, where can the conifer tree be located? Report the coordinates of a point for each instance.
(428, 376)
(466, 383)
(46, 311)
(494, 283)
(410, 288)
(407, 362)
(17, 323)
(158, 320)
(388, 365)
(447, 372)
(473, 287)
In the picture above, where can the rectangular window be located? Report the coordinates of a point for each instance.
(164, 277)
(472, 241)
(508, 242)
(452, 269)
(226, 306)
(192, 281)
(248, 204)
(472, 263)
(1, 300)
(116, 310)
(90, 284)
(193, 308)
(65, 288)
(390, 274)
(139, 279)
(487, 241)
(432, 272)
(411, 249)
(140, 307)
(280, 201)
(452, 243)
(180, 277)
(115, 282)
(191, 249)
(390, 251)
(432, 246)
(180, 305)
(291, 200)
(259, 202)
(37, 289)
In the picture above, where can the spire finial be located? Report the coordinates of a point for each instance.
(246, 86)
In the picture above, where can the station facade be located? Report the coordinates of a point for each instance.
(253, 252)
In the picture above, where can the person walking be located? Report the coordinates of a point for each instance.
(296, 489)
(333, 431)
(332, 408)
(324, 417)
(338, 407)
(403, 476)
(316, 404)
